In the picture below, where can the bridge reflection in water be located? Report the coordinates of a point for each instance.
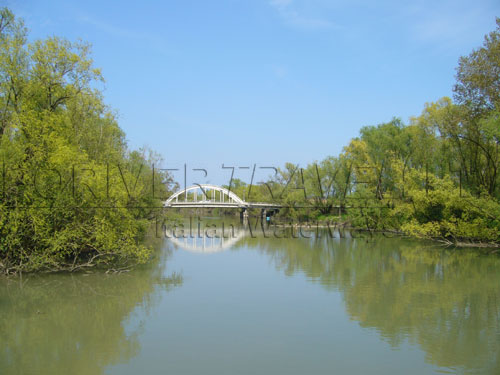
(209, 241)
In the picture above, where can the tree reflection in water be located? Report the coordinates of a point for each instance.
(445, 300)
(75, 323)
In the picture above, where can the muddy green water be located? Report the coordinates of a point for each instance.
(247, 305)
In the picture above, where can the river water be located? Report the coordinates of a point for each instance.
(317, 302)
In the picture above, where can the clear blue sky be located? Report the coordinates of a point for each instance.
(264, 81)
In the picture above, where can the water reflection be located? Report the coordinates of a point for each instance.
(445, 300)
(211, 242)
(74, 323)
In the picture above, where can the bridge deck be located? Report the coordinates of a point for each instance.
(225, 199)
(215, 204)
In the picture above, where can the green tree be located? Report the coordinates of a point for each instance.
(73, 195)
(478, 78)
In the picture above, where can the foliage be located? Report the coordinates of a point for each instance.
(436, 177)
(69, 185)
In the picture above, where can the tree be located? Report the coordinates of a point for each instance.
(73, 194)
(478, 75)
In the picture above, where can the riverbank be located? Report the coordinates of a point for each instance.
(346, 225)
(276, 225)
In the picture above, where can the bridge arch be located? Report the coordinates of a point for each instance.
(231, 197)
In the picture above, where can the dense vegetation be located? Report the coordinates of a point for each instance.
(435, 177)
(69, 185)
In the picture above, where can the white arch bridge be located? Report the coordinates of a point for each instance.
(213, 196)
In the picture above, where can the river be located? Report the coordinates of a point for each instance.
(315, 303)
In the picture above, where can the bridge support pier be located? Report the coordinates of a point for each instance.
(263, 216)
(244, 216)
